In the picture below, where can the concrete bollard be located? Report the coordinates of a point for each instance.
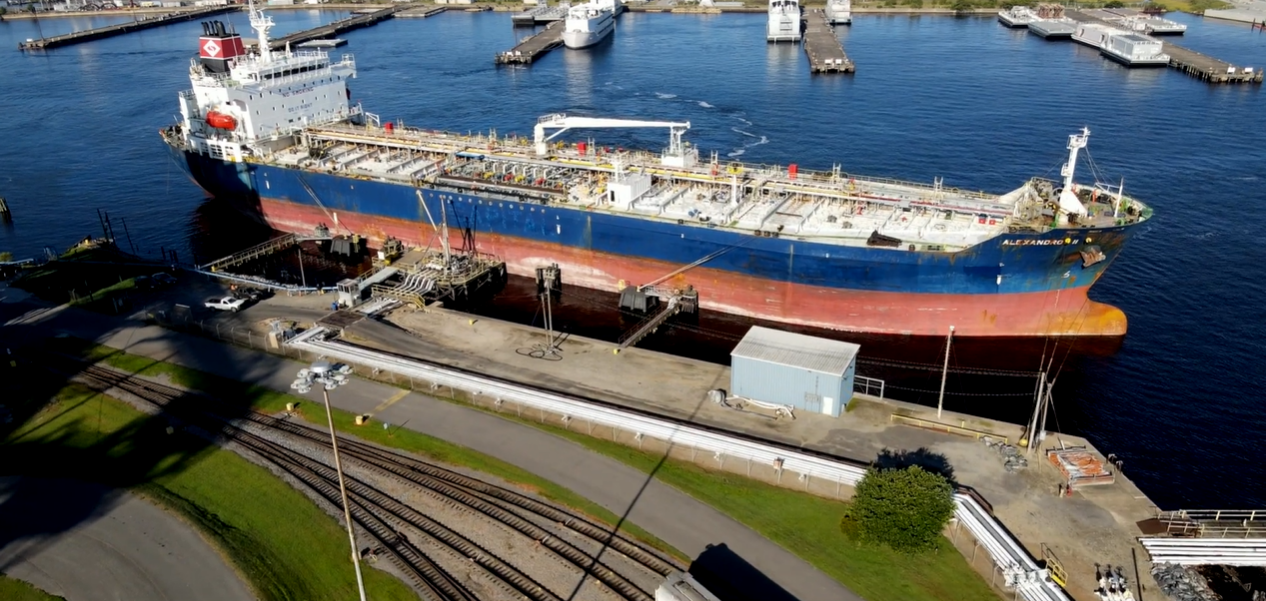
(291, 406)
(362, 420)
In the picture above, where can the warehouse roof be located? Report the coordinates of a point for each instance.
(796, 350)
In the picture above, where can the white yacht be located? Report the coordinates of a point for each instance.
(1017, 16)
(784, 21)
(839, 12)
(587, 24)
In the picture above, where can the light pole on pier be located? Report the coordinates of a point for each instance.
(321, 369)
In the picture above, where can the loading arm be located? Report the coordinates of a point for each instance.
(563, 123)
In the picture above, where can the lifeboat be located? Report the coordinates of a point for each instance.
(221, 120)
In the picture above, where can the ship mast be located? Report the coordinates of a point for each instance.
(261, 24)
(1069, 204)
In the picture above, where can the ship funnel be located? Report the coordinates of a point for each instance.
(219, 45)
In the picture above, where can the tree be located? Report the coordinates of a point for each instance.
(961, 5)
(905, 509)
(1114, 4)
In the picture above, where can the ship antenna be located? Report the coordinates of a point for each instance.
(261, 24)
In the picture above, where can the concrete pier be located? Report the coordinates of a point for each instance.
(333, 29)
(1201, 66)
(538, 15)
(421, 12)
(534, 46)
(110, 31)
(826, 52)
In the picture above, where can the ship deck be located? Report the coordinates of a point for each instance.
(829, 207)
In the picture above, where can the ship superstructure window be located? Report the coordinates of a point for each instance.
(295, 71)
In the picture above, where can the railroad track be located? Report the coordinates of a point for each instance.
(383, 516)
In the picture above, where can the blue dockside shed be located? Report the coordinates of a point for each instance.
(808, 373)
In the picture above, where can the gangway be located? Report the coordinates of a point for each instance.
(646, 300)
(676, 155)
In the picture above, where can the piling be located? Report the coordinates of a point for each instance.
(826, 52)
(533, 46)
(110, 31)
(5, 215)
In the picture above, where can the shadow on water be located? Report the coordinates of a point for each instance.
(731, 578)
(127, 457)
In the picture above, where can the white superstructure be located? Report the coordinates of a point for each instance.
(839, 12)
(784, 21)
(589, 23)
(1130, 49)
(249, 104)
(1017, 16)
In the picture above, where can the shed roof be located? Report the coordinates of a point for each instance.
(796, 350)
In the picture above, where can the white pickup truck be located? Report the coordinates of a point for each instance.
(226, 303)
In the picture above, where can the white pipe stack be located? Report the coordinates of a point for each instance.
(1021, 571)
(1207, 551)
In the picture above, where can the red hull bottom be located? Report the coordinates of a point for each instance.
(1055, 313)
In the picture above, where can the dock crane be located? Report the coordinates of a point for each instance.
(676, 155)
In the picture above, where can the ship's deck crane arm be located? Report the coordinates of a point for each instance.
(562, 123)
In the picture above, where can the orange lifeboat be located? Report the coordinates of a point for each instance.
(221, 120)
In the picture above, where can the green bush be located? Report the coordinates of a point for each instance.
(1114, 4)
(962, 5)
(905, 509)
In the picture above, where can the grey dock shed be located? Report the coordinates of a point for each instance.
(806, 372)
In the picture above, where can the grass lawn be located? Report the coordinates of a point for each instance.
(407, 440)
(282, 543)
(12, 589)
(90, 278)
(808, 526)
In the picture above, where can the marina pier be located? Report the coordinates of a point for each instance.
(539, 15)
(533, 46)
(110, 31)
(1201, 66)
(342, 25)
(826, 52)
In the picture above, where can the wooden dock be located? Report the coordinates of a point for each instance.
(330, 30)
(109, 31)
(826, 52)
(1201, 66)
(534, 46)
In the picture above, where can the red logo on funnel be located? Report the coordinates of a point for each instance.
(211, 49)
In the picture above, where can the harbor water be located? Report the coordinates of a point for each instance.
(1179, 399)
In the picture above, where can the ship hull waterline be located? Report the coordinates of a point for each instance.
(1059, 311)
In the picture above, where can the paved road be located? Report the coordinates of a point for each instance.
(687, 524)
(127, 549)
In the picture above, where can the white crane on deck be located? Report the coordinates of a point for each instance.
(676, 155)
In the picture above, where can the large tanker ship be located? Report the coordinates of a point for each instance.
(274, 132)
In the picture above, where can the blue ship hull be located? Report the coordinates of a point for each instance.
(1014, 284)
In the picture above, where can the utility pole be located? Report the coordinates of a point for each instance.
(303, 278)
(940, 402)
(1031, 430)
(347, 511)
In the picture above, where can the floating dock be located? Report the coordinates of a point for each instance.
(826, 52)
(334, 43)
(1200, 66)
(533, 46)
(538, 15)
(110, 31)
(333, 29)
(421, 13)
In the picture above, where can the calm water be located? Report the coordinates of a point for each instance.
(965, 99)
